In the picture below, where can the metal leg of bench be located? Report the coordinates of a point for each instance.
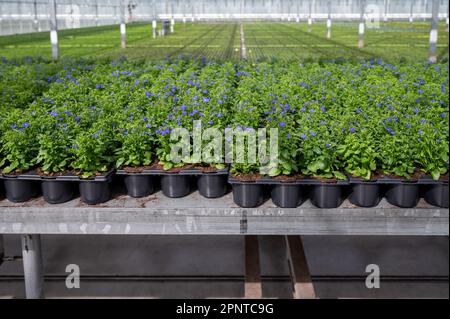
(33, 266)
(301, 279)
(253, 284)
(2, 249)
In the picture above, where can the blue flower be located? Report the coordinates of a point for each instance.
(323, 108)
(77, 118)
(25, 124)
(408, 125)
(422, 121)
(54, 113)
(313, 133)
(327, 145)
(352, 130)
(148, 126)
(282, 124)
(416, 110)
(288, 135)
(206, 99)
(420, 132)
(442, 115)
(303, 136)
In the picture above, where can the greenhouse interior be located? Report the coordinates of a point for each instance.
(224, 149)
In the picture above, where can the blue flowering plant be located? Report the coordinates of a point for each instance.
(19, 145)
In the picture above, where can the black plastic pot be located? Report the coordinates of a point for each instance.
(287, 196)
(94, 192)
(56, 192)
(436, 195)
(19, 191)
(212, 185)
(405, 195)
(365, 194)
(2, 189)
(327, 195)
(248, 195)
(175, 186)
(139, 185)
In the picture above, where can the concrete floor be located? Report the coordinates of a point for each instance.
(213, 266)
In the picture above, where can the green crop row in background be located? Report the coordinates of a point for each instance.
(392, 41)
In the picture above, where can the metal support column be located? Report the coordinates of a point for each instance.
(53, 30)
(253, 284)
(96, 13)
(33, 266)
(172, 18)
(301, 279)
(329, 21)
(2, 250)
(386, 10)
(310, 17)
(154, 19)
(361, 25)
(36, 20)
(411, 10)
(123, 36)
(432, 56)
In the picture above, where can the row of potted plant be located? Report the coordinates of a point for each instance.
(374, 122)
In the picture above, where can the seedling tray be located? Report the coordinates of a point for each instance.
(288, 193)
(424, 180)
(69, 177)
(267, 180)
(187, 171)
(178, 183)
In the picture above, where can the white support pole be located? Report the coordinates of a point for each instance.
(19, 14)
(432, 56)
(361, 25)
(123, 36)
(172, 19)
(310, 17)
(96, 13)
(329, 21)
(411, 9)
(297, 16)
(33, 266)
(154, 24)
(53, 30)
(386, 10)
(36, 21)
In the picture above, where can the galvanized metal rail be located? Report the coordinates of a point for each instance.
(193, 214)
(157, 214)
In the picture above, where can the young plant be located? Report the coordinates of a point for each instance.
(358, 154)
(136, 147)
